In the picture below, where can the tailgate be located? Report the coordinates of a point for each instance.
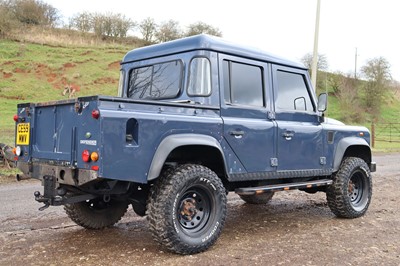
(50, 132)
(54, 132)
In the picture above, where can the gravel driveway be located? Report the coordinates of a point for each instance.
(295, 228)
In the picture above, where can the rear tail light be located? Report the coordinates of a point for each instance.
(96, 114)
(95, 168)
(86, 156)
(15, 118)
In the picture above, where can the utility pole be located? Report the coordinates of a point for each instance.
(315, 53)
(355, 65)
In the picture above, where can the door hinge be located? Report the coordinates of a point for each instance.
(274, 162)
(271, 115)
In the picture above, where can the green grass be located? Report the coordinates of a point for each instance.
(35, 73)
(8, 175)
(40, 72)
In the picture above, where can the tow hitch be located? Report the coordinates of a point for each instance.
(56, 197)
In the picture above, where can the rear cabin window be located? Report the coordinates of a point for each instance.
(243, 84)
(158, 81)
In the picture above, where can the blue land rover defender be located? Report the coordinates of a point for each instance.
(194, 119)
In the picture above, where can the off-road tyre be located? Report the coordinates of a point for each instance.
(187, 209)
(350, 194)
(263, 198)
(96, 213)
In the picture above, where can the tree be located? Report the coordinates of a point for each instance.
(5, 19)
(51, 15)
(377, 73)
(322, 63)
(201, 27)
(102, 25)
(33, 12)
(148, 28)
(121, 25)
(98, 26)
(82, 22)
(168, 31)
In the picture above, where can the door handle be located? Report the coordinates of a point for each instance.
(288, 135)
(237, 133)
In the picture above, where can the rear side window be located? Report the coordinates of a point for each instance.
(158, 81)
(199, 77)
(121, 83)
(243, 84)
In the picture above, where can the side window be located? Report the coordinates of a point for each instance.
(159, 81)
(121, 83)
(199, 77)
(243, 84)
(292, 93)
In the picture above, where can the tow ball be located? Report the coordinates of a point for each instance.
(56, 197)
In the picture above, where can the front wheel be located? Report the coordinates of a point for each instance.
(350, 194)
(187, 209)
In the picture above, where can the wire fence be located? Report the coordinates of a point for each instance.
(388, 133)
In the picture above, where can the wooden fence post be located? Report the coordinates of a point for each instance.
(373, 135)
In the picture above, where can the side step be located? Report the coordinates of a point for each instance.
(280, 187)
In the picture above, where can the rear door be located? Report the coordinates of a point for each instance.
(300, 138)
(245, 101)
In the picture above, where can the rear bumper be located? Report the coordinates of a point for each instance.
(63, 174)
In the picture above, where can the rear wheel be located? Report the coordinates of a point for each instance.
(350, 194)
(96, 213)
(187, 209)
(257, 199)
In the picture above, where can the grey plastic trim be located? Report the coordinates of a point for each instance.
(172, 142)
(342, 147)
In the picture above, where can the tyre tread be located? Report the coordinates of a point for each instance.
(160, 221)
(337, 198)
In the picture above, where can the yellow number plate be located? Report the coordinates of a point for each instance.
(23, 130)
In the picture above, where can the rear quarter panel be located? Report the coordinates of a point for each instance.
(130, 160)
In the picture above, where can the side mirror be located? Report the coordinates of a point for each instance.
(322, 102)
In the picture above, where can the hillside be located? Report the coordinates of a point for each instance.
(33, 73)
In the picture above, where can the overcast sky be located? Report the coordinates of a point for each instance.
(283, 27)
